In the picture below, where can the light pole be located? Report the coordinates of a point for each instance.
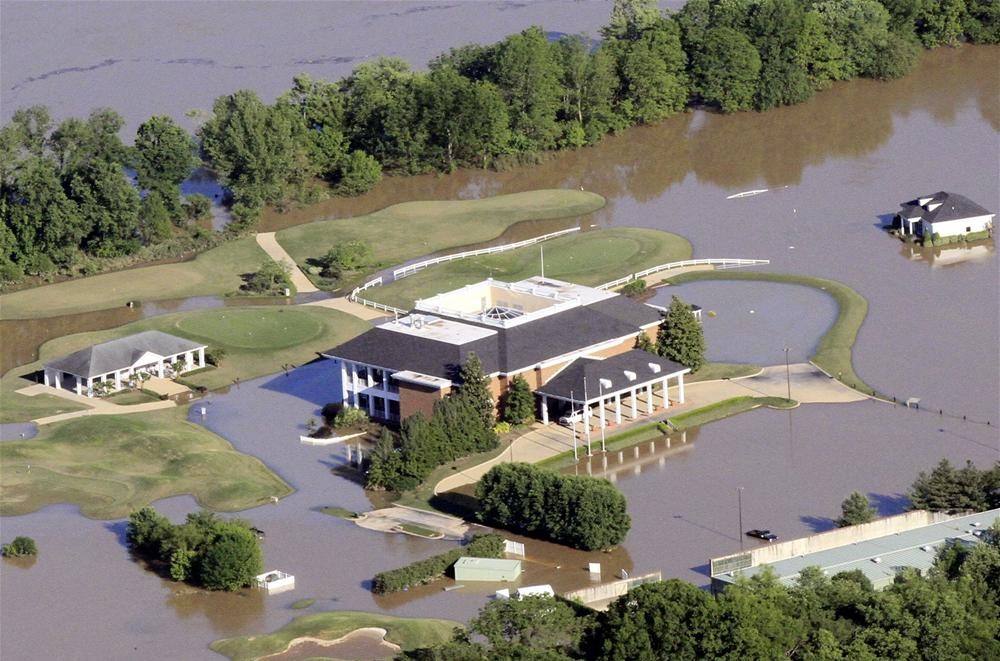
(739, 499)
(572, 421)
(586, 418)
(788, 375)
(600, 390)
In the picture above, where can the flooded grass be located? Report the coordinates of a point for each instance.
(302, 604)
(111, 465)
(419, 531)
(412, 229)
(718, 371)
(834, 353)
(216, 271)
(409, 634)
(590, 258)
(339, 512)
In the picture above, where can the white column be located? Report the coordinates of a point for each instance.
(635, 413)
(90, 386)
(586, 415)
(545, 410)
(385, 406)
(354, 385)
(79, 386)
(45, 376)
(189, 360)
(343, 381)
(666, 396)
(159, 368)
(58, 375)
(680, 388)
(649, 399)
(118, 380)
(618, 408)
(370, 377)
(604, 422)
(201, 357)
(371, 399)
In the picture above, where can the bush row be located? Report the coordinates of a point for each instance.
(424, 571)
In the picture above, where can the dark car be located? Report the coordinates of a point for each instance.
(766, 535)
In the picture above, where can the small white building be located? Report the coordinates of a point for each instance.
(114, 365)
(942, 214)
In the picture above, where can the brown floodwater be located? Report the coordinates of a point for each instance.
(834, 166)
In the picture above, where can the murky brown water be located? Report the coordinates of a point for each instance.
(834, 165)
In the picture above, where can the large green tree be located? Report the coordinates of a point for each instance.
(518, 402)
(232, 559)
(725, 69)
(653, 72)
(536, 623)
(164, 156)
(527, 73)
(680, 337)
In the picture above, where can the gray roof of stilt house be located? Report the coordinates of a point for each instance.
(122, 353)
(949, 206)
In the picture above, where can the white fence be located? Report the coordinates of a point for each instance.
(377, 282)
(410, 269)
(721, 263)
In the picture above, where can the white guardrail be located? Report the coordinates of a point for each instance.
(721, 263)
(377, 282)
(410, 269)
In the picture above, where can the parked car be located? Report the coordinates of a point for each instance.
(766, 535)
(570, 419)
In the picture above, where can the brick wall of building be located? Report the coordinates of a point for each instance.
(414, 399)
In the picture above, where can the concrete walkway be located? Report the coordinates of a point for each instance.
(97, 406)
(354, 309)
(271, 246)
(388, 519)
(809, 385)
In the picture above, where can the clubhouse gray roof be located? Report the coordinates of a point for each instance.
(570, 380)
(915, 548)
(952, 207)
(122, 353)
(505, 350)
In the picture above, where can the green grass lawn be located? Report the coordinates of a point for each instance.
(408, 633)
(130, 397)
(257, 340)
(413, 229)
(111, 465)
(587, 258)
(834, 353)
(213, 272)
(717, 371)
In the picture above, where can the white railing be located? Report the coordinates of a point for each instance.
(378, 306)
(410, 269)
(720, 263)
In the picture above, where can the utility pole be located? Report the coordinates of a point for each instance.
(788, 375)
(572, 421)
(739, 498)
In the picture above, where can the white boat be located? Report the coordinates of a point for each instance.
(747, 193)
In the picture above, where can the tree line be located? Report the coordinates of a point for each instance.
(68, 205)
(951, 613)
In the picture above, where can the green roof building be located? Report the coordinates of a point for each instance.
(487, 569)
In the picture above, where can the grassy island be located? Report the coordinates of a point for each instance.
(408, 633)
(586, 258)
(111, 465)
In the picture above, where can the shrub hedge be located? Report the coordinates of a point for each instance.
(424, 571)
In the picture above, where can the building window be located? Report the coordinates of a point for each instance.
(377, 376)
(393, 385)
(363, 401)
(968, 229)
(362, 373)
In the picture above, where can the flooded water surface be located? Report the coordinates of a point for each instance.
(832, 167)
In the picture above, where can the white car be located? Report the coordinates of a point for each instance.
(570, 419)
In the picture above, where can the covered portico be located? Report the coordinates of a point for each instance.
(631, 384)
(111, 366)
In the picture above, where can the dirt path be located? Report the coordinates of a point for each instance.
(271, 246)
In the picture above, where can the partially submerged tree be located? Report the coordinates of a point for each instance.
(856, 509)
